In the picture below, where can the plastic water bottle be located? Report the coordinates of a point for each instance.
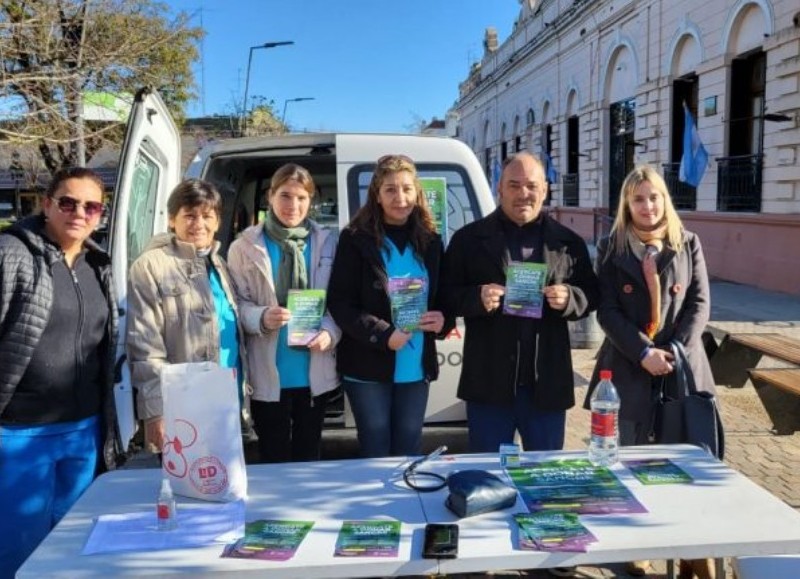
(165, 508)
(604, 442)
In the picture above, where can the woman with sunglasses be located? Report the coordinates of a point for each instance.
(386, 365)
(58, 322)
(181, 303)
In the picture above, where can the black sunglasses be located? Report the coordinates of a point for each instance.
(69, 205)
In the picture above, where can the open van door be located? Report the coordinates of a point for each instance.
(149, 169)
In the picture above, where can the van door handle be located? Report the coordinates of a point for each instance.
(118, 368)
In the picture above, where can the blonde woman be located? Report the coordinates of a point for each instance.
(654, 289)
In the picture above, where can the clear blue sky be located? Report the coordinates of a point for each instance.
(371, 65)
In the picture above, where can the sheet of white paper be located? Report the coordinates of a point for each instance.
(198, 525)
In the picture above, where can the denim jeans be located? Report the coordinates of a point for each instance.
(490, 425)
(389, 416)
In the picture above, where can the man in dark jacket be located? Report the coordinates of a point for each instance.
(57, 339)
(517, 371)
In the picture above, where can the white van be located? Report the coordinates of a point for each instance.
(341, 165)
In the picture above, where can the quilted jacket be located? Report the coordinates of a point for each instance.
(26, 297)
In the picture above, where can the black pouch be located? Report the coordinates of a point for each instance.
(473, 492)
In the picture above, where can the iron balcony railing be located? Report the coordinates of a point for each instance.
(684, 196)
(739, 183)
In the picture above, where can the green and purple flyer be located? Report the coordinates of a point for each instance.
(552, 531)
(307, 307)
(372, 538)
(409, 300)
(572, 485)
(657, 471)
(270, 540)
(525, 289)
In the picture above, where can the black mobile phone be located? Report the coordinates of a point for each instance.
(441, 541)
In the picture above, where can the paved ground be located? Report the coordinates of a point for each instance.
(751, 447)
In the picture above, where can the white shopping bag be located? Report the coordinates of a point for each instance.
(203, 455)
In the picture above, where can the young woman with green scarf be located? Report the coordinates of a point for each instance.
(291, 384)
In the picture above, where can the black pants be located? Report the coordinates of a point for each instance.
(291, 429)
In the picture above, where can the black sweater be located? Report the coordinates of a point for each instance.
(26, 302)
(359, 303)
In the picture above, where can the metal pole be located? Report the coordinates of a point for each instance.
(243, 124)
(294, 100)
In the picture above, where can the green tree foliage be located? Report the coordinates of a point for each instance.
(262, 119)
(54, 51)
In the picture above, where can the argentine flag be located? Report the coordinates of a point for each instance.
(550, 172)
(695, 158)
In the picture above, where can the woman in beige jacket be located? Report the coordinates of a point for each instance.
(291, 384)
(181, 303)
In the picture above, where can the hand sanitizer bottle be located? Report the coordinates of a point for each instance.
(165, 508)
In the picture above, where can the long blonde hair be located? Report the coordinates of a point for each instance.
(674, 227)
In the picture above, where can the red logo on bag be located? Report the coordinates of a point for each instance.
(208, 475)
(185, 435)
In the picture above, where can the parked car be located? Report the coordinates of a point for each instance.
(341, 164)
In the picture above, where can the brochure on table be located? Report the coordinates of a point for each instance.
(370, 538)
(657, 471)
(573, 485)
(270, 540)
(558, 531)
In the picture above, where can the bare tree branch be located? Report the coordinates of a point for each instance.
(52, 52)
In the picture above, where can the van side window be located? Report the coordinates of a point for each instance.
(142, 206)
(462, 206)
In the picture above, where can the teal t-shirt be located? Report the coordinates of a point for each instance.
(293, 363)
(408, 359)
(228, 332)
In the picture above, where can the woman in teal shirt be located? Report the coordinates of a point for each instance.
(291, 384)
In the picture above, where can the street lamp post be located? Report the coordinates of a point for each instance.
(294, 100)
(247, 78)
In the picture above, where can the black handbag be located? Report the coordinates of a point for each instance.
(684, 415)
(473, 492)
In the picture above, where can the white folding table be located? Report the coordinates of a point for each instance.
(720, 514)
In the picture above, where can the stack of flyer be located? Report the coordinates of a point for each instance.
(552, 531)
